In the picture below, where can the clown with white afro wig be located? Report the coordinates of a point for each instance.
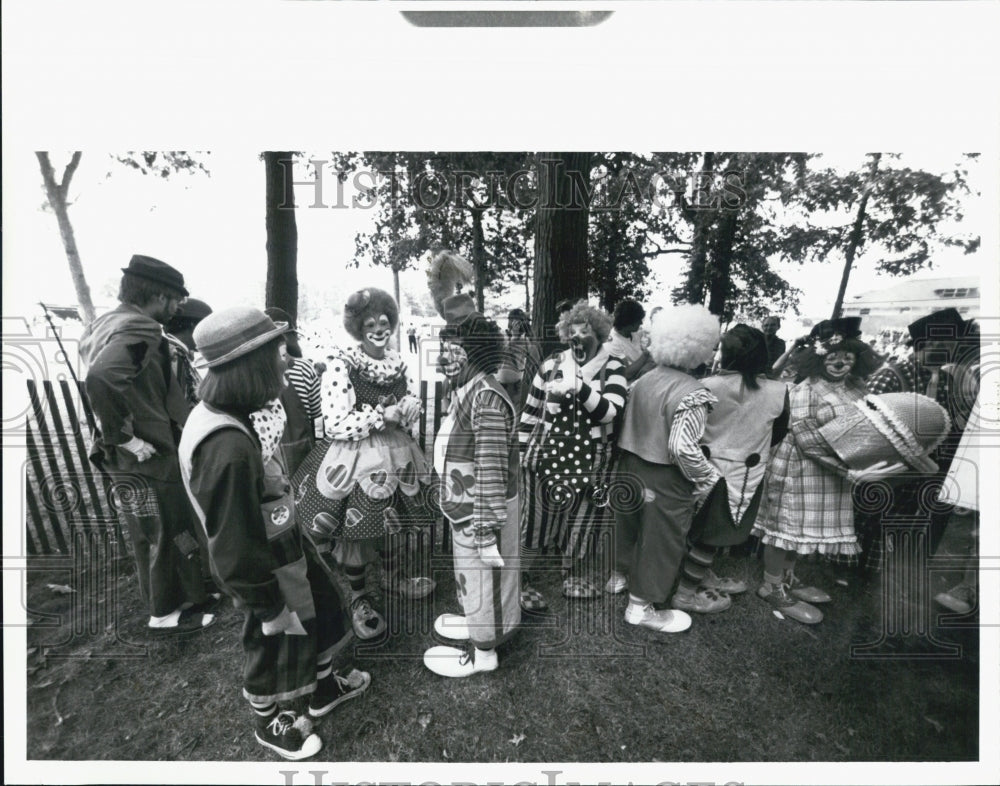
(661, 455)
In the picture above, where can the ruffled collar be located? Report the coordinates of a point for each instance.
(380, 371)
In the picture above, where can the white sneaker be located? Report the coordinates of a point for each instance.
(457, 662)
(452, 627)
(617, 583)
(665, 621)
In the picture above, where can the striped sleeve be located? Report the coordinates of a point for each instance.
(493, 425)
(533, 413)
(683, 446)
(304, 379)
(604, 405)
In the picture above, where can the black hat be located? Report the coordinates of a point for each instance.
(193, 310)
(945, 324)
(845, 327)
(280, 315)
(155, 270)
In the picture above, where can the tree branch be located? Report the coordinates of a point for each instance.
(68, 173)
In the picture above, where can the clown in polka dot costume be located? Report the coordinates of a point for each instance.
(363, 488)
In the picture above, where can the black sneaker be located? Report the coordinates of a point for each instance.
(288, 735)
(336, 689)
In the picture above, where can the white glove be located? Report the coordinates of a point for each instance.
(287, 622)
(877, 471)
(490, 556)
(392, 416)
(139, 448)
(570, 383)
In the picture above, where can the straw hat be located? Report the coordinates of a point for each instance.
(890, 427)
(224, 336)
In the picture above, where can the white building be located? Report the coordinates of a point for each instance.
(900, 304)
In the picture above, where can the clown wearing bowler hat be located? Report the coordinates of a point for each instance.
(294, 621)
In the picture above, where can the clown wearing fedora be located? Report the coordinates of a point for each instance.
(141, 406)
(234, 473)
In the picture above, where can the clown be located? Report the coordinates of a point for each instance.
(295, 624)
(748, 419)
(807, 506)
(661, 455)
(475, 457)
(567, 435)
(360, 487)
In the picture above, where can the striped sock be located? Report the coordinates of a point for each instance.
(264, 709)
(696, 565)
(324, 669)
(356, 577)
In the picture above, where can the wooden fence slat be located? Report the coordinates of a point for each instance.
(34, 516)
(76, 463)
(36, 466)
(45, 439)
(88, 470)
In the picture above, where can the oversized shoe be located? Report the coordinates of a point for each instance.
(459, 661)
(704, 601)
(365, 620)
(800, 611)
(723, 584)
(663, 621)
(799, 590)
(452, 627)
(960, 599)
(412, 588)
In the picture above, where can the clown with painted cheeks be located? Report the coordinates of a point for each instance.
(567, 434)
(476, 459)
(807, 506)
(361, 487)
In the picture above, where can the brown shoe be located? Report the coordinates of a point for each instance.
(800, 611)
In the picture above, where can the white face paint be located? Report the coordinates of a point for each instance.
(582, 341)
(375, 335)
(452, 359)
(838, 365)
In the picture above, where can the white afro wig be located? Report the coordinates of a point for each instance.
(683, 336)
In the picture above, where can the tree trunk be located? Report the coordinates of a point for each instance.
(856, 236)
(701, 219)
(282, 287)
(560, 240)
(478, 255)
(56, 194)
(722, 262)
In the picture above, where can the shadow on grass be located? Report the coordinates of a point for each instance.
(577, 685)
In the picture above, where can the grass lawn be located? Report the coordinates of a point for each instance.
(579, 685)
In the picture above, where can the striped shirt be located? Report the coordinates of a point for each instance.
(303, 377)
(493, 425)
(602, 403)
(684, 442)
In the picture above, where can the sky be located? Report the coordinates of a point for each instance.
(211, 227)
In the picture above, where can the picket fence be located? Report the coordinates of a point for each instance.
(67, 495)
